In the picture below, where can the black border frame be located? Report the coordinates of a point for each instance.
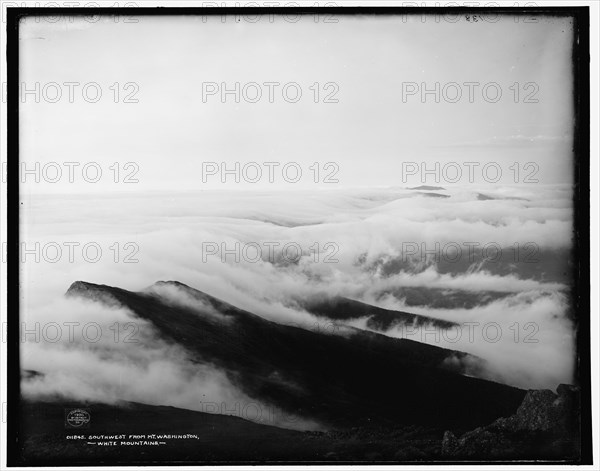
(581, 201)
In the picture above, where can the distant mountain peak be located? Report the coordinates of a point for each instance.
(433, 195)
(84, 289)
(92, 292)
(79, 286)
(483, 197)
(427, 187)
(171, 283)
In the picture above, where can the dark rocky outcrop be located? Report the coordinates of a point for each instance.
(546, 425)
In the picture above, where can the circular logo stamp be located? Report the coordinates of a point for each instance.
(78, 418)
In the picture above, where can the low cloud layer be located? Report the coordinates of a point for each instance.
(341, 235)
(88, 351)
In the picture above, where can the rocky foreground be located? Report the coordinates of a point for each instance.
(545, 423)
(544, 428)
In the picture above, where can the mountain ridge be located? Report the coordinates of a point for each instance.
(339, 381)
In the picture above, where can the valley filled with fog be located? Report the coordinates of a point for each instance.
(492, 261)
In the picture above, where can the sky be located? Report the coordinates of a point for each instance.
(375, 123)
